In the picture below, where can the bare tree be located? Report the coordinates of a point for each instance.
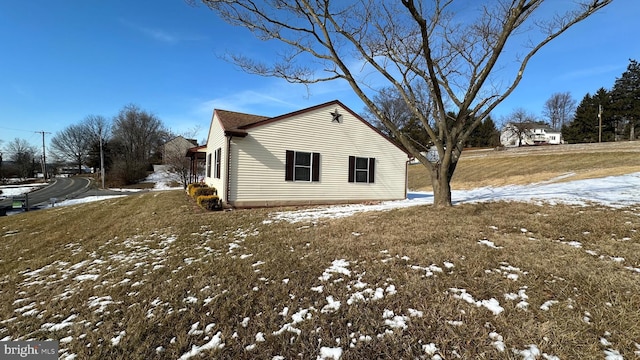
(97, 127)
(139, 131)
(559, 109)
(461, 58)
(72, 144)
(23, 155)
(175, 157)
(99, 131)
(137, 138)
(518, 125)
(397, 110)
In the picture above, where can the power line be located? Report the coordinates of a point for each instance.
(6, 128)
(22, 130)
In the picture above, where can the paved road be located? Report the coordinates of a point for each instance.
(61, 189)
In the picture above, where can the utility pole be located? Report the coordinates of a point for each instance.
(101, 160)
(44, 155)
(599, 123)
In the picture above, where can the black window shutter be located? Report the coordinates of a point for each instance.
(315, 170)
(218, 162)
(372, 169)
(352, 168)
(288, 172)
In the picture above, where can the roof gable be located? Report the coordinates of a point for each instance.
(237, 124)
(182, 139)
(302, 111)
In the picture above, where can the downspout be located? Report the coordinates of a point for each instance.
(228, 177)
(406, 177)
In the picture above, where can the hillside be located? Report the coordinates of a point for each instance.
(530, 164)
(151, 276)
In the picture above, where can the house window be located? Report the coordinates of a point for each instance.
(362, 169)
(302, 166)
(208, 165)
(216, 169)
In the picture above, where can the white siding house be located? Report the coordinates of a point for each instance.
(530, 134)
(320, 155)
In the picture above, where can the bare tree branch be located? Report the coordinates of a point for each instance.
(458, 53)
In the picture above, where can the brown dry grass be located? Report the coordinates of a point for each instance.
(536, 164)
(161, 265)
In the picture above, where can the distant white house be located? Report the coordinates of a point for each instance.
(320, 155)
(529, 134)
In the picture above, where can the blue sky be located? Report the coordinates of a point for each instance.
(63, 60)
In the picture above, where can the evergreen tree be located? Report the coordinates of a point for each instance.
(625, 97)
(491, 132)
(485, 135)
(584, 127)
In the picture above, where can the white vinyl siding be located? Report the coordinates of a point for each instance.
(216, 158)
(261, 158)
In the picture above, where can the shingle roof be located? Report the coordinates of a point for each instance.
(533, 126)
(232, 121)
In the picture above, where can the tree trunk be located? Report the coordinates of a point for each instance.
(632, 132)
(441, 187)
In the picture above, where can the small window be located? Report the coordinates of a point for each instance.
(208, 165)
(361, 169)
(302, 166)
(216, 169)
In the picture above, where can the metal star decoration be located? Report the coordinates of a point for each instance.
(336, 116)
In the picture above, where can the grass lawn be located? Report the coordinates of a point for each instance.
(152, 276)
(526, 165)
